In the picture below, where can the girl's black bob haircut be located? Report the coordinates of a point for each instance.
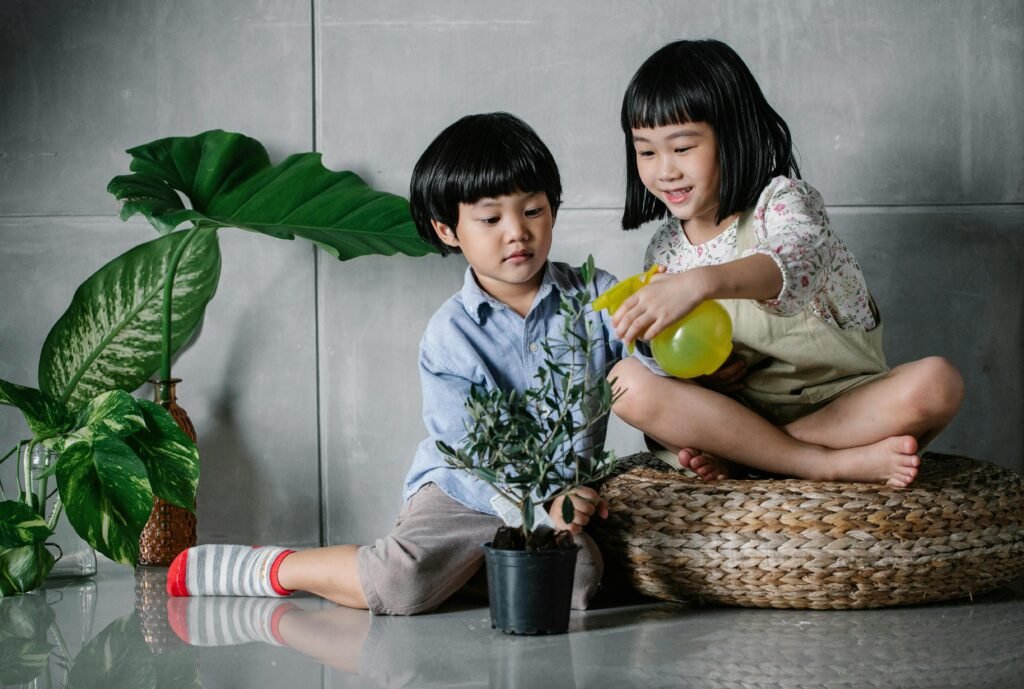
(479, 156)
(706, 81)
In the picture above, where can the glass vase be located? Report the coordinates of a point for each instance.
(74, 557)
(170, 529)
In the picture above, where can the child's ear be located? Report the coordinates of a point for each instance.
(444, 233)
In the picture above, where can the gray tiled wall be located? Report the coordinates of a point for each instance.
(302, 383)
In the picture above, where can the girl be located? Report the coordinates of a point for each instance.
(807, 392)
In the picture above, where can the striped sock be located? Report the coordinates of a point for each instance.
(227, 570)
(227, 621)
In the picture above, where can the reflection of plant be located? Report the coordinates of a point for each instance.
(25, 624)
(534, 445)
(117, 657)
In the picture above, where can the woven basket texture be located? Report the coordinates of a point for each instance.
(957, 531)
(151, 607)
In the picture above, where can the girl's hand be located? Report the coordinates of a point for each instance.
(585, 503)
(728, 378)
(663, 301)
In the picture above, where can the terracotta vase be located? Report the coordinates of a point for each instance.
(170, 529)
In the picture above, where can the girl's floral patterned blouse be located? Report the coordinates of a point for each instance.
(791, 226)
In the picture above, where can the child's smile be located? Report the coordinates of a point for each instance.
(678, 163)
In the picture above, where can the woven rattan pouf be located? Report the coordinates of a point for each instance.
(957, 531)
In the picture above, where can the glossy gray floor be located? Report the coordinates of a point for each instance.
(116, 630)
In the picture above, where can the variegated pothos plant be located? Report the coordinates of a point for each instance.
(128, 319)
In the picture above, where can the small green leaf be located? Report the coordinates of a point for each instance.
(46, 416)
(112, 414)
(568, 511)
(107, 495)
(21, 525)
(170, 456)
(23, 568)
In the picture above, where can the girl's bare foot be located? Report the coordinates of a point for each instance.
(708, 467)
(892, 461)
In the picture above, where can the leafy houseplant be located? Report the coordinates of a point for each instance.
(533, 447)
(126, 321)
(229, 182)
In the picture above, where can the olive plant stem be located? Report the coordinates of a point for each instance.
(165, 358)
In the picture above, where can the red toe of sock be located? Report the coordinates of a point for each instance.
(176, 575)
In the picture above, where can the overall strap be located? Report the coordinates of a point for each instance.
(745, 238)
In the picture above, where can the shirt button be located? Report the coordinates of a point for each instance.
(534, 347)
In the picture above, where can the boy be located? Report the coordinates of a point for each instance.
(489, 188)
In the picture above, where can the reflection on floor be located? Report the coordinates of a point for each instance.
(116, 630)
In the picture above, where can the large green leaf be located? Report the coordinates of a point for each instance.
(106, 495)
(23, 568)
(45, 416)
(21, 525)
(170, 456)
(230, 182)
(114, 413)
(110, 336)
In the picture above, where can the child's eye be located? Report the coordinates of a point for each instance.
(534, 212)
(645, 154)
(683, 149)
(493, 220)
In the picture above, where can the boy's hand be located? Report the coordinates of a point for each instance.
(585, 502)
(728, 378)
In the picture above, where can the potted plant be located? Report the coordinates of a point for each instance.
(112, 456)
(229, 181)
(528, 446)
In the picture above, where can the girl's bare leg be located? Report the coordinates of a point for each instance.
(682, 415)
(329, 572)
(919, 398)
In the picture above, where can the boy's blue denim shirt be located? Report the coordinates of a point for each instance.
(476, 339)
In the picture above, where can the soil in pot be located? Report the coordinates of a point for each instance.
(530, 590)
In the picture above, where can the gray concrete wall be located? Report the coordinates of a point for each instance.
(302, 384)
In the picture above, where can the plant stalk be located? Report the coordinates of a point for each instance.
(26, 473)
(165, 330)
(58, 507)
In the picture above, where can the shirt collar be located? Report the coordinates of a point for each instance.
(475, 300)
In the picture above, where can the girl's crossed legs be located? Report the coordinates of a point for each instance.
(871, 434)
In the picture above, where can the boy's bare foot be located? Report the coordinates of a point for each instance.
(708, 467)
(892, 461)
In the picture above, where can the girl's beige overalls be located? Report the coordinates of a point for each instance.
(795, 364)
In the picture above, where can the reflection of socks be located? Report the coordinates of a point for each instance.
(227, 570)
(227, 621)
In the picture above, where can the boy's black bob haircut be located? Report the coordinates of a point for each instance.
(479, 156)
(706, 81)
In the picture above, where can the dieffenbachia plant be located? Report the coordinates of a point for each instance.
(127, 320)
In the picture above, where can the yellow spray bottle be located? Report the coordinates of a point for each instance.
(695, 345)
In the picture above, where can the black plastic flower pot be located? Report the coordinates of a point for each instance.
(530, 591)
